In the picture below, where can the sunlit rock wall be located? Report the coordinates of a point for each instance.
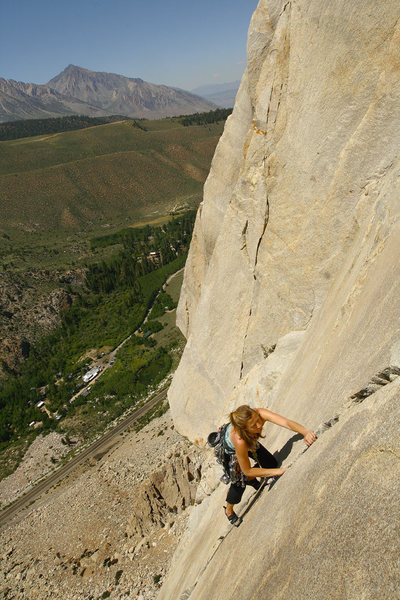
(298, 232)
(291, 301)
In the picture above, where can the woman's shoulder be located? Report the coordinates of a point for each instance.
(238, 442)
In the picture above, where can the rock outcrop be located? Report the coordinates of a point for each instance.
(165, 493)
(291, 301)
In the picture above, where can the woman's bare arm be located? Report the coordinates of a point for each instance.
(244, 463)
(308, 435)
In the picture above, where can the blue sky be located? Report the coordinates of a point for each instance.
(174, 42)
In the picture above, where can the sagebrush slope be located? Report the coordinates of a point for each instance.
(108, 173)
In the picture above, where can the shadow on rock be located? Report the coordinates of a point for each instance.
(284, 452)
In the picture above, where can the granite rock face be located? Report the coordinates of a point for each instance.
(291, 301)
(328, 528)
(298, 229)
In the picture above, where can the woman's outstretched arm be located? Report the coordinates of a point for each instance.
(308, 435)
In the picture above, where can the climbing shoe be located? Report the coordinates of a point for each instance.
(233, 519)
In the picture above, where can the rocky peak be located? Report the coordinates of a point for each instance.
(124, 95)
(80, 91)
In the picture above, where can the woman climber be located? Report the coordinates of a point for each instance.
(241, 442)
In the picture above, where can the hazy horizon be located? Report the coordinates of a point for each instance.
(176, 44)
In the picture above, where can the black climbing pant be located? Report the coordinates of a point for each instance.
(265, 460)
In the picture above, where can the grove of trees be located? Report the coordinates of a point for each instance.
(113, 304)
(213, 116)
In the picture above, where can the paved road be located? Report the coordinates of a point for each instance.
(98, 447)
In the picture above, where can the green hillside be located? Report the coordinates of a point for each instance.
(110, 174)
(82, 212)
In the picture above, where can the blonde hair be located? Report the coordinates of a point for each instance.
(239, 419)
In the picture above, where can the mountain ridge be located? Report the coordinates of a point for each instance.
(77, 90)
(19, 100)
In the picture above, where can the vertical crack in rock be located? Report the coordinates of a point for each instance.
(187, 316)
(244, 240)
(244, 344)
(244, 246)
(269, 107)
(285, 7)
(280, 79)
(266, 219)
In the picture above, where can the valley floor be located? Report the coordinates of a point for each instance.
(95, 536)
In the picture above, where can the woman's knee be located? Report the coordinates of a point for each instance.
(266, 459)
(235, 494)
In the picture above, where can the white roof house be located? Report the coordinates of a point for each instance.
(91, 374)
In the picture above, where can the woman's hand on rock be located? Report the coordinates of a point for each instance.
(309, 437)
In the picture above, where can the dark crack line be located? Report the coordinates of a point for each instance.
(266, 220)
